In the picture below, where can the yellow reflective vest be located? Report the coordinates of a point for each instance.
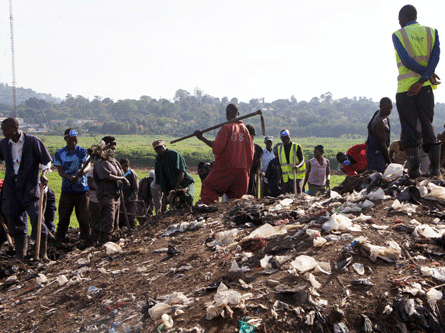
(286, 169)
(418, 42)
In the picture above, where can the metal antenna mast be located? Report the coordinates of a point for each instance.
(14, 99)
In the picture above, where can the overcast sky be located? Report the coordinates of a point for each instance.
(245, 49)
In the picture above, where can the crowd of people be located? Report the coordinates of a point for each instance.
(99, 188)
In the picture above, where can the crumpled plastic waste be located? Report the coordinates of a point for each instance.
(304, 263)
(376, 195)
(224, 238)
(112, 248)
(436, 272)
(359, 268)
(433, 295)
(405, 207)
(367, 204)
(234, 268)
(340, 222)
(222, 300)
(390, 253)
(158, 310)
(244, 327)
(41, 278)
(267, 231)
(411, 193)
(426, 231)
(435, 192)
(393, 171)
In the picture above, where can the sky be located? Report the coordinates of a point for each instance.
(230, 48)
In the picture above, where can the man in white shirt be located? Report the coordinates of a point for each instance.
(23, 154)
(267, 157)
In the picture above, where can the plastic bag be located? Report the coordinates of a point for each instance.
(319, 241)
(304, 263)
(433, 296)
(223, 238)
(158, 310)
(393, 171)
(176, 298)
(267, 231)
(113, 248)
(337, 222)
(376, 195)
(167, 320)
(426, 231)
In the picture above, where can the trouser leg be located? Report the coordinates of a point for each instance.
(156, 194)
(94, 209)
(214, 185)
(66, 206)
(240, 183)
(83, 215)
(107, 215)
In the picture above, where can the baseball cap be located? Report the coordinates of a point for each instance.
(284, 133)
(268, 138)
(158, 143)
(151, 174)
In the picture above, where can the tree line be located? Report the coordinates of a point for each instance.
(322, 116)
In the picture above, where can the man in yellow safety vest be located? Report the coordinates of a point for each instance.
(292, 165)
(417, 53)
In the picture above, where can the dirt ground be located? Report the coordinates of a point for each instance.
(143, 273)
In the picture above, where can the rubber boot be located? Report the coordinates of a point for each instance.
(413, 159)
(21, 246)
(434, 155)
(104, 237)
(43, 255)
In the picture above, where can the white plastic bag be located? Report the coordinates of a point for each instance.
(158, 310)
(376, 195)
(113, 248)
(393, 171)
(304, 263)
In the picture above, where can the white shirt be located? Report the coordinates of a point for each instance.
(17, 151)
(267, 157)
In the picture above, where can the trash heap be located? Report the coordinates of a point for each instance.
(369, 257)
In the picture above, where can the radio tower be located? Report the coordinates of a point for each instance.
(14, 99)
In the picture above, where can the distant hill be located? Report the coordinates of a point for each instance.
(22, 95)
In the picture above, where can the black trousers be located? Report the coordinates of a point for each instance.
(413, 109)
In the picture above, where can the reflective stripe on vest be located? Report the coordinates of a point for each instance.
(287, 168)
(407, 77)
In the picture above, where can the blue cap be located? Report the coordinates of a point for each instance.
(73, 132)
(347, 163)
(284, 132)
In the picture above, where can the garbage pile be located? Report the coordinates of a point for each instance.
(365, 258)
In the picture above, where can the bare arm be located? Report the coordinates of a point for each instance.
(306, 177)
(66, 176)
(380, 131)
(180, 179)
(201, 137)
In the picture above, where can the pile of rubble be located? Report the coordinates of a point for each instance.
(366, 258)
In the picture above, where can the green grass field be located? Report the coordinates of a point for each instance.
(139, 146)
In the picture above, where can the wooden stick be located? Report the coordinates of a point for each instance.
(258, 112)
(127, 222)
(8, 237)
(39, 223)
(258, 180)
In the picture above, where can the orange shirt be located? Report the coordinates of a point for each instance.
(233, 147)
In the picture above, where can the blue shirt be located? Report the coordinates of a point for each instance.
(71, 163)
(413, 65)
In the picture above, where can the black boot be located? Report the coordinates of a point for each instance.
(434, 155)
(21, 246)
(43, 247)
(104, 237)
(413, 160)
